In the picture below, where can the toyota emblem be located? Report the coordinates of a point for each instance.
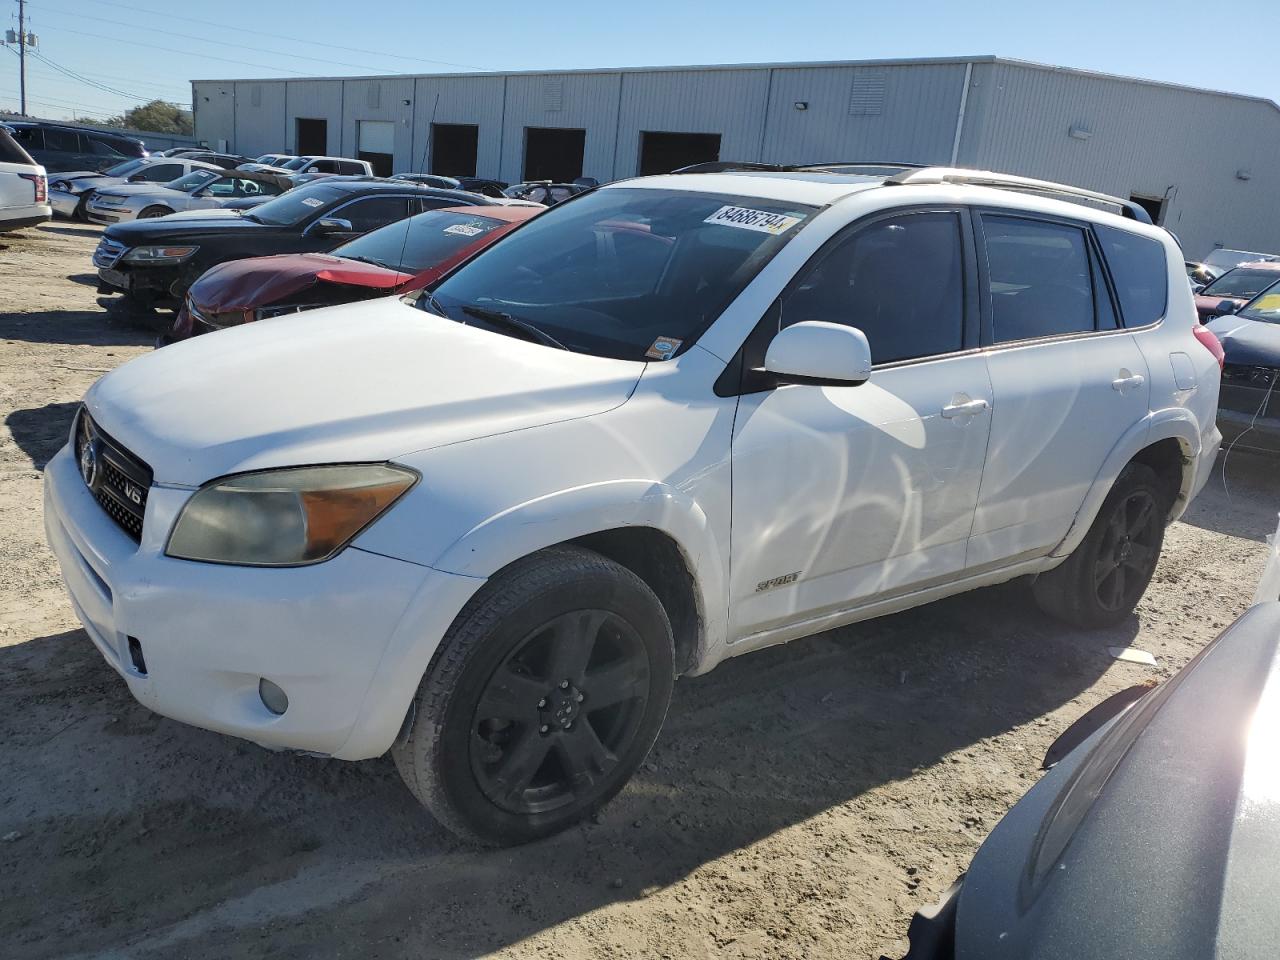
(88, 463)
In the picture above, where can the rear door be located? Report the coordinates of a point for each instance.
(1068, 381)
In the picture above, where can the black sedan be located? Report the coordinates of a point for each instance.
(1156, 834)
(153, 262)
(1249, 404)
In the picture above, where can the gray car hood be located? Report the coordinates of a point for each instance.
(1175, 854)
(1248, 342)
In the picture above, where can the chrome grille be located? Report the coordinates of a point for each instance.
(108, 252)
(118, 480)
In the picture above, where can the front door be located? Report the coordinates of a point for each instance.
(842, 495)
(1068, 382)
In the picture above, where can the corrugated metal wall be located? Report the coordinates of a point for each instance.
(900, 113)
(471, 100)
(1211, 156)
(586, 101)
(213, 106)
(728, 102)
(1134, 138)
(312, 99)
(259, 117)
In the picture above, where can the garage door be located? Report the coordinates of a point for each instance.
(377, 139)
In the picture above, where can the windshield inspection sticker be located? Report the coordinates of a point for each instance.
(312, 202)
(663, 348)
(464, 230)
(744, 218)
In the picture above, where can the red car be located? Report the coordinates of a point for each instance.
(396, 258)
(1237, 287)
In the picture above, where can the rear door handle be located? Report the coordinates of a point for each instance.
(1127, 380)
(969, 408)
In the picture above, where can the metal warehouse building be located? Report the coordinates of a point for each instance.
(1204, 163)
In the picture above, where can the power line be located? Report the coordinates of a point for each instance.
(185, 53)
(317, 43)
(93, 83)
(222, 43)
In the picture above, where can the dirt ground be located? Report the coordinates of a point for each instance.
(801, 802)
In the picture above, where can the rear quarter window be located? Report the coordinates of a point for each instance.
(1140, 273)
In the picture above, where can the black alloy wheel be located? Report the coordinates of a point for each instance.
(1128, 551)
(555, 716)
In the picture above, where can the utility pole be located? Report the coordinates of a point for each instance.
(22, 56)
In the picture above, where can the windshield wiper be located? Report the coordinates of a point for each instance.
(369, 260)
(514, 323)
(248, 215)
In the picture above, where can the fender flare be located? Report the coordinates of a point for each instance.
(1172, 423)
(594, 508)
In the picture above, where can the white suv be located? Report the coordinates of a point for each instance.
(669, 421)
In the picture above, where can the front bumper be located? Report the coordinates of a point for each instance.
(63, 203)
(337, 637)
(109, 213)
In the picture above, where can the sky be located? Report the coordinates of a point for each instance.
(97, 58)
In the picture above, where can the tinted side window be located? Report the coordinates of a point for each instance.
(31, 138)
(103, 149)
(65, 140)
(323, 166)
(372, 212)
(163, 172)
(350, 167)
(1140, 274)
(1039, 277)
(900, 281)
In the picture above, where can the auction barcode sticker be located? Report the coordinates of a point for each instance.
(744, 218)
(464, 230)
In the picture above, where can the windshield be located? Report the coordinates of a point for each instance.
(298, 204)
(123, 169)
(417, 243)
(1242, 282)
(1265, 308)
(629, 273)
(297, 163)
(193, 180)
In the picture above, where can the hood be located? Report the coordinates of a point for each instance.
(366, 381)
(1174, 853)
(83, 179)
(137, 189)
(186, 226)
(1254, 343)
(246, 284)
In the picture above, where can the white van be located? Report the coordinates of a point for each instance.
(24, 189)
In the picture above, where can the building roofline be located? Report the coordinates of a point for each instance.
(788, 65)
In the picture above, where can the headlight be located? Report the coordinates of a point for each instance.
(285, 517)
(109, 200)
(159, 254)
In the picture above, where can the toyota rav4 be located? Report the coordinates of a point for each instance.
(670, 421)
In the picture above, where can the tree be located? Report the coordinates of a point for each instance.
(159, 116)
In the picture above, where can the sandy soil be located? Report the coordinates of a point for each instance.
(801, 802)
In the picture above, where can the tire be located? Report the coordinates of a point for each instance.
(150, 213)
(550, 751)
(1102, 580)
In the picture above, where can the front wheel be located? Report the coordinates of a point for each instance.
(150, 213)
(544, 697)
(1103, 579)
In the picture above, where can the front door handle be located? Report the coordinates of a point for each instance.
(968, 408)
(1127, 380)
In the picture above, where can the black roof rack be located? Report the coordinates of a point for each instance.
(853, 167)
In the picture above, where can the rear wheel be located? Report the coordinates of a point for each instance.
(1103, 579)
(544, 697)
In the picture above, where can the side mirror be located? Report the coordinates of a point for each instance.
(327, 226)
(1225, 307)
(1196, 289)
(819, 354)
